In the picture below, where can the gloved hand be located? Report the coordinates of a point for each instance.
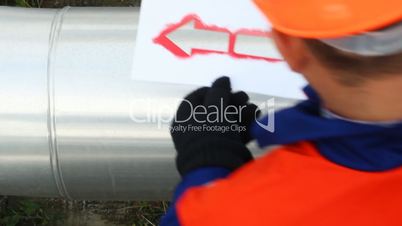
(211, 128)
(249, 114)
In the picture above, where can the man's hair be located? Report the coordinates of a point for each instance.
(354, 69)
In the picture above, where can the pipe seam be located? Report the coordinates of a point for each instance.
(54, 35)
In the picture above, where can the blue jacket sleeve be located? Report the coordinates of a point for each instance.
(194, 178)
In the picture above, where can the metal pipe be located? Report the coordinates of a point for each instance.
(68, 107)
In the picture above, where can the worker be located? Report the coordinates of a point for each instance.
(338, 155)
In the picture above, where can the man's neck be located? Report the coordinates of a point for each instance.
(374, 100)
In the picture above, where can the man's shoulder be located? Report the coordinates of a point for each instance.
(292, 179)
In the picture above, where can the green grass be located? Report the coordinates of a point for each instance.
(28, 212)
(24, 3)
(17, 211)
(62, 3)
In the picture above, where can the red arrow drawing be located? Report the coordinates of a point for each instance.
(190, 37)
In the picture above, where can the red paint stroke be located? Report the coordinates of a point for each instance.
(250, 32)
(163, 40)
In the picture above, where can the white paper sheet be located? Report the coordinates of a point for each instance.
(196, 41)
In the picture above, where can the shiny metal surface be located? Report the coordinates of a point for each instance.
(69, 109)
(24, 143)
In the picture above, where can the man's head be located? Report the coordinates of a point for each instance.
(314, 57)
(349, 51)
(356, 40)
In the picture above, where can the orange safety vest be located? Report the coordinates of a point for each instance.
(295, 185)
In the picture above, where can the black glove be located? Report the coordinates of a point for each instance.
(205, 135)
(249, 114)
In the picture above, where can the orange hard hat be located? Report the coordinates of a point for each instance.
(330, 18)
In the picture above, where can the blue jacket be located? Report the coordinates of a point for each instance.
(359, 146)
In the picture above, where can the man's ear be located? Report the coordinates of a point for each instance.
(293, 50)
